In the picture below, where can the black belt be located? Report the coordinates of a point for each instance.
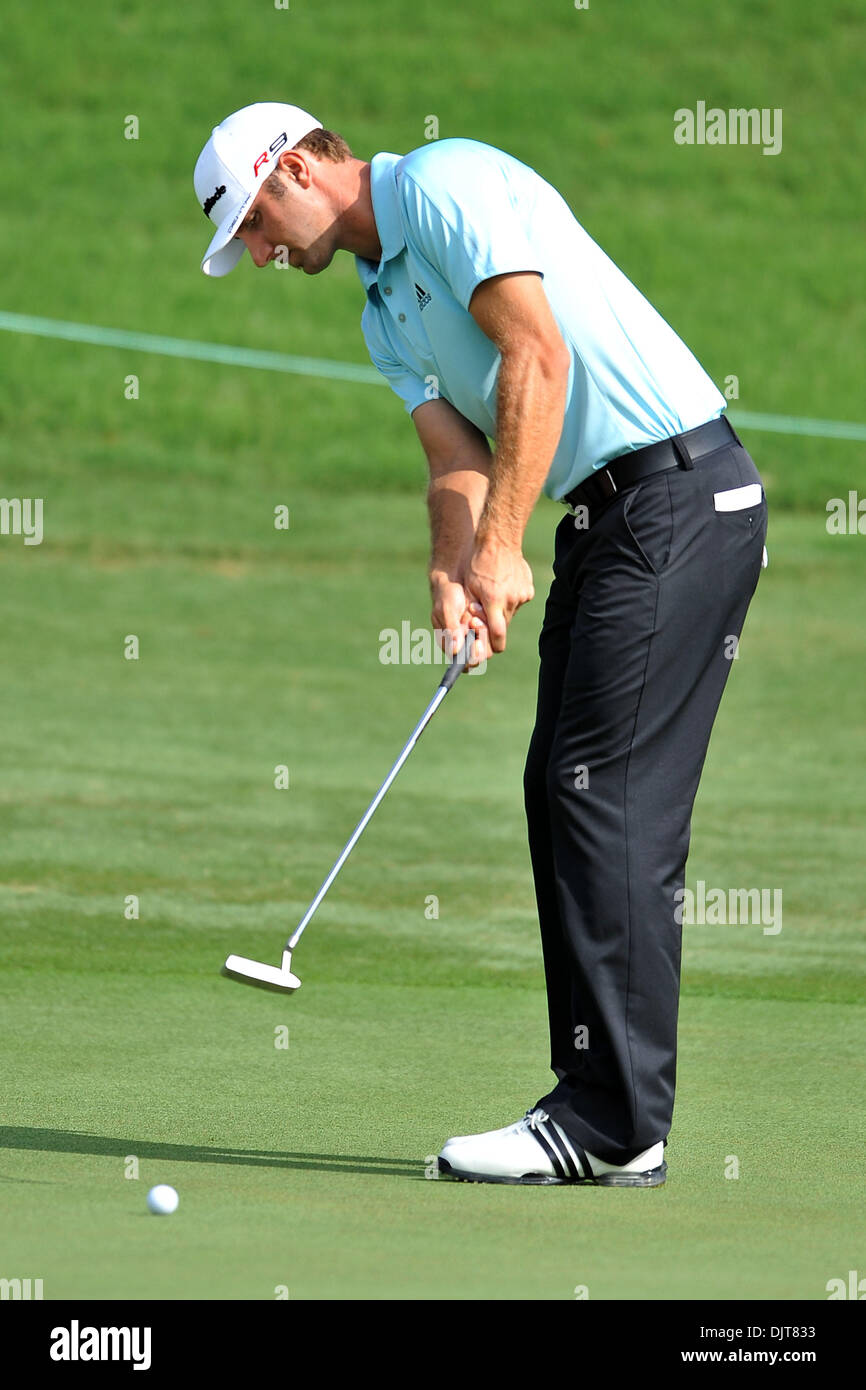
(682, 451)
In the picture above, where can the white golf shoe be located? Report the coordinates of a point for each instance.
(537, 1150)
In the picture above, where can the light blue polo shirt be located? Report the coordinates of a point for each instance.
(455, 212)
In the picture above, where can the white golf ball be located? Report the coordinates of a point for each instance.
(162, 1200)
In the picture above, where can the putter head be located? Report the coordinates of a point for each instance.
(253, 972)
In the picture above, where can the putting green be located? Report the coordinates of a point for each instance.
(299, 1132)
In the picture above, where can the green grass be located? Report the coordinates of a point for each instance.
(753, 259)
(305, 1166)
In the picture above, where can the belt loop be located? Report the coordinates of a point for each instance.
(681, 451)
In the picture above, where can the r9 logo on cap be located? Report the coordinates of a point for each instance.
(272, 149)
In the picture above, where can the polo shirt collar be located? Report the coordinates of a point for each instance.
(386, 211)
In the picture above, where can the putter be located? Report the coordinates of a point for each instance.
(281, 977)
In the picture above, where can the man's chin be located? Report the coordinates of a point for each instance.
(313, 264)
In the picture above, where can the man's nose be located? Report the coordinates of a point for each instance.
(261, 252)
(259, 248)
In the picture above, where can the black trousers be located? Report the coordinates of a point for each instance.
(639, 633)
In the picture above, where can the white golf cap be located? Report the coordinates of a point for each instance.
(241, 153)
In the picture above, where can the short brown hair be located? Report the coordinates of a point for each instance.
(325, 144)
(322, 144)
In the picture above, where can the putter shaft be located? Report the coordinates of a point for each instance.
(442, 689)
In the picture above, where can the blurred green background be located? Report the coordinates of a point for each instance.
(305, 1167)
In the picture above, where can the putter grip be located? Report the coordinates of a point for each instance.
(459, 661)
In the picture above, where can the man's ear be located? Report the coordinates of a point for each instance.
(295, 166)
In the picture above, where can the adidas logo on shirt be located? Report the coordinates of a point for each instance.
(423, 296)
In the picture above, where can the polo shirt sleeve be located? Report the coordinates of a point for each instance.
(469, 227)
(404, 382)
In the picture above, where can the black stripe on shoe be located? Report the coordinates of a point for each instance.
(558, 1165)
(585, 1165)
(576, 1155)
(652, 1177)
(561, 1149)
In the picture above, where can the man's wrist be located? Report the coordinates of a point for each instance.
(496, 538)
(438, 575)
(450, 570)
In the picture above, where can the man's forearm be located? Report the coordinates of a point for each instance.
(530, 410)
(455, 502)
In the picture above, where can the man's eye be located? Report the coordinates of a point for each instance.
(247, 225)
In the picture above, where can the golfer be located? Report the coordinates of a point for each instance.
(495, 317)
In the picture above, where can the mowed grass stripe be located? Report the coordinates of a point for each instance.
(228, 355)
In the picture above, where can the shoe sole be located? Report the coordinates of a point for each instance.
(654, 1178)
